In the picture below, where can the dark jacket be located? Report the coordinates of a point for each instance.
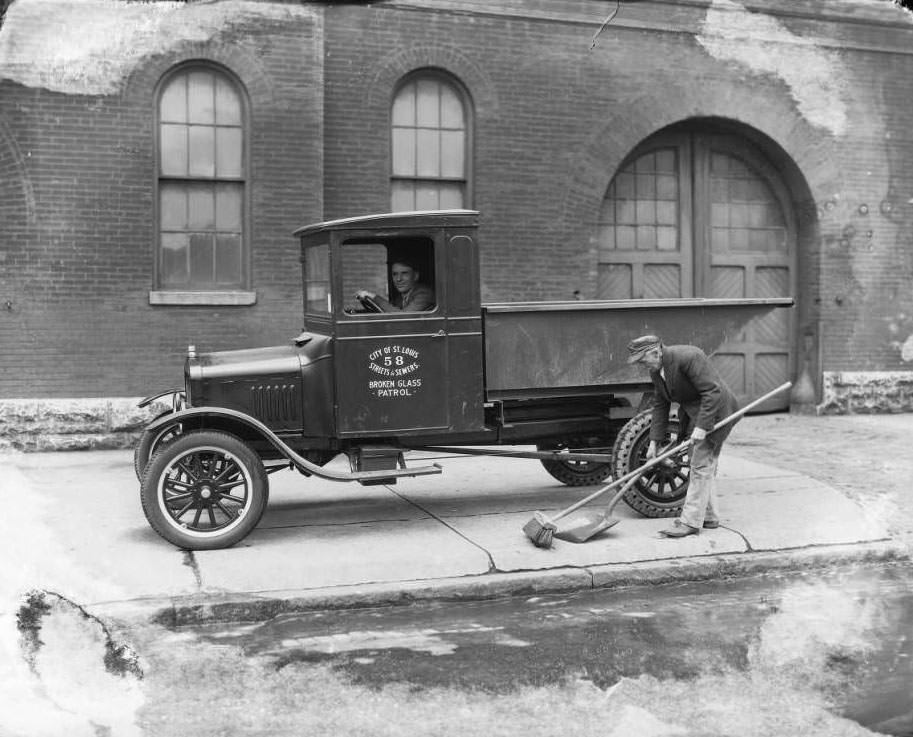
(420, 299)
(692, 382)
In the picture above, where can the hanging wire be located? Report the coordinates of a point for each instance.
(605, 23)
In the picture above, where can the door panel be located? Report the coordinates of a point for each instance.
(693, 213)
(616, 281)
(727, 281)
(731, 367)
(662, 280)
(392, 379)
(769, 370)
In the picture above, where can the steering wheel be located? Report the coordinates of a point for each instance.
(369, 304)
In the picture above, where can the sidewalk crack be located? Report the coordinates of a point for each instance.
(492, 568)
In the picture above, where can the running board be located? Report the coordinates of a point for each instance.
(542, 455)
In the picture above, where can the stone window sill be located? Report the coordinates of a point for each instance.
(174, 297)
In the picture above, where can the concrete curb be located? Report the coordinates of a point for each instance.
(207, 608)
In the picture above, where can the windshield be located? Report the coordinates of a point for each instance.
(318, 296)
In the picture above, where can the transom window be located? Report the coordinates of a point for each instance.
(201, 183)
(744, 212)
(640, 209)
(429, 145)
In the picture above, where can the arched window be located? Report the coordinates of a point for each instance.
(430, 145)
(201, 183)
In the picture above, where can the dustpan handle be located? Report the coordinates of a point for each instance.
(637, 472)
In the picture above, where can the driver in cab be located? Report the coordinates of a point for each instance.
(411, 295)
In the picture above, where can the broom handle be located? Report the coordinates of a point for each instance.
(637, 472)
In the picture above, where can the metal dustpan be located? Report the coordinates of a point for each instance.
(580, 526)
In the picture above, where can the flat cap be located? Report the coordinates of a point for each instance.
(639, 346)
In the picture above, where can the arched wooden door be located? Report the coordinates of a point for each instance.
(699, 214)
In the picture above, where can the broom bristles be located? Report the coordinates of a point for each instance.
(540, 530)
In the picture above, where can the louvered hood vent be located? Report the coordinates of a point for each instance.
(274, 402)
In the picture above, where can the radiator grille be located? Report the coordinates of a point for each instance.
(274, 402)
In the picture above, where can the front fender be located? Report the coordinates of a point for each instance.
(193, 415)
(178, 398)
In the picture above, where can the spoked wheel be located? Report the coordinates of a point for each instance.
(150, 441)
(204, 490)
(577, 473)
(662, 489)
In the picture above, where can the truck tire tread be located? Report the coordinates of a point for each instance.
(629, 440)
(157, 465)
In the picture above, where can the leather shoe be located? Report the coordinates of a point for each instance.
(711, 524)
(679, 529)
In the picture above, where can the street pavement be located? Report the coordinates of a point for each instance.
(72, 524)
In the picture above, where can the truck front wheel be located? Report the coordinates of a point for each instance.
(204, 490)
(661, 491)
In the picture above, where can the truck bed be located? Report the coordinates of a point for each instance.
(540, 349)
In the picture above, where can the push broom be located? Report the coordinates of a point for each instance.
(541, 529)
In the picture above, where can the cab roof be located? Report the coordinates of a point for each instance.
(410, 219)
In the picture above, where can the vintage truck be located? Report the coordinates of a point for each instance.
(542, 380)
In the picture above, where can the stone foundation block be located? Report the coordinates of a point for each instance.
(73, 424)
(867, 392)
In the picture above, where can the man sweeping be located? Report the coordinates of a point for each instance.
(684, 374)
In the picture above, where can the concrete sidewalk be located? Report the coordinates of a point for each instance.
(73, 523)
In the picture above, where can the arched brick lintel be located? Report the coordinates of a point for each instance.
(805, 154)
(243, 63)
(449, 59)
(16, 184)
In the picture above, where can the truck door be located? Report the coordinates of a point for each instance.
(391, 367)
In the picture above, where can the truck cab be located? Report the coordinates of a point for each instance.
(401, 372)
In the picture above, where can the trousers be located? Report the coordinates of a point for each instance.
(700, 500)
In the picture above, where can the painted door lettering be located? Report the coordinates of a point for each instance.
(394, 361)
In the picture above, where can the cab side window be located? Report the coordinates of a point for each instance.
(389, 277)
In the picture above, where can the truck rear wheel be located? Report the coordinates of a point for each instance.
(204, 490)
(661, 491)
(577, 473)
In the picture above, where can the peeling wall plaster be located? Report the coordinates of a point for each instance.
(89, 47)
(815, 76)
(906, 349)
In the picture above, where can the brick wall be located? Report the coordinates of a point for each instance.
(553, 120)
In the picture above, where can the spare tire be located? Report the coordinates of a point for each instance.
(661, 491)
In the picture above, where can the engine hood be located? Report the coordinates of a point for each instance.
(273, 360)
